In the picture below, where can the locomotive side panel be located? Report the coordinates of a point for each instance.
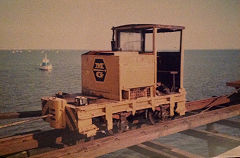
(100, 76)
(112, 74)
(137, 71)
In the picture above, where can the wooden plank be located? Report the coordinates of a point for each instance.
(112, 143)
(19, 143)
(235, 84)
(199, 104)
(231, 153)
(23, 114)
(230, 123)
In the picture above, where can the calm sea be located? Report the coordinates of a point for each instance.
(22, 84)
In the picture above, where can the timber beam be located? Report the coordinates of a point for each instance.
(235, 84)
(210, 102)
(19, 143)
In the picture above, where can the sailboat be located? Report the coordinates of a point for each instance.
(45, 65)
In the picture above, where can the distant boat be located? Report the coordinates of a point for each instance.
(45, 65)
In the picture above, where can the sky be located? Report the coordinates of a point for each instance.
(86, 24)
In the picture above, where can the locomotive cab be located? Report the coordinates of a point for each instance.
(149, 39)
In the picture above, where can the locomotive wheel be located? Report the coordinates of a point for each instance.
(109, 132)
(151, 116)
(89, 139)
(122, 126)
(165, 112)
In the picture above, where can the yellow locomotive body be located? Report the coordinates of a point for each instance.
(118, 73)
(121, 83)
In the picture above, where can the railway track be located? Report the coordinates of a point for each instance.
(112, 143)
(199, 113)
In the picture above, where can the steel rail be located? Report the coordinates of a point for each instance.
(24, 121)
(22, 114)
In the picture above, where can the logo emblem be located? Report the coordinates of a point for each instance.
(99, 70)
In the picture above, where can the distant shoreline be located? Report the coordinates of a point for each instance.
(102, 49)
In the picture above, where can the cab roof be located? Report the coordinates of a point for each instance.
(148, 28)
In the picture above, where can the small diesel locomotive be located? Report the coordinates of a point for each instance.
(133, 79)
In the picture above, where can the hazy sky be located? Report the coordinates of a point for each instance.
(86, 24)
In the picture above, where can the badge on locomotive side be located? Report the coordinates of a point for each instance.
(99, 70)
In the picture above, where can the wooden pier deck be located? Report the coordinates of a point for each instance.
(112, 143)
